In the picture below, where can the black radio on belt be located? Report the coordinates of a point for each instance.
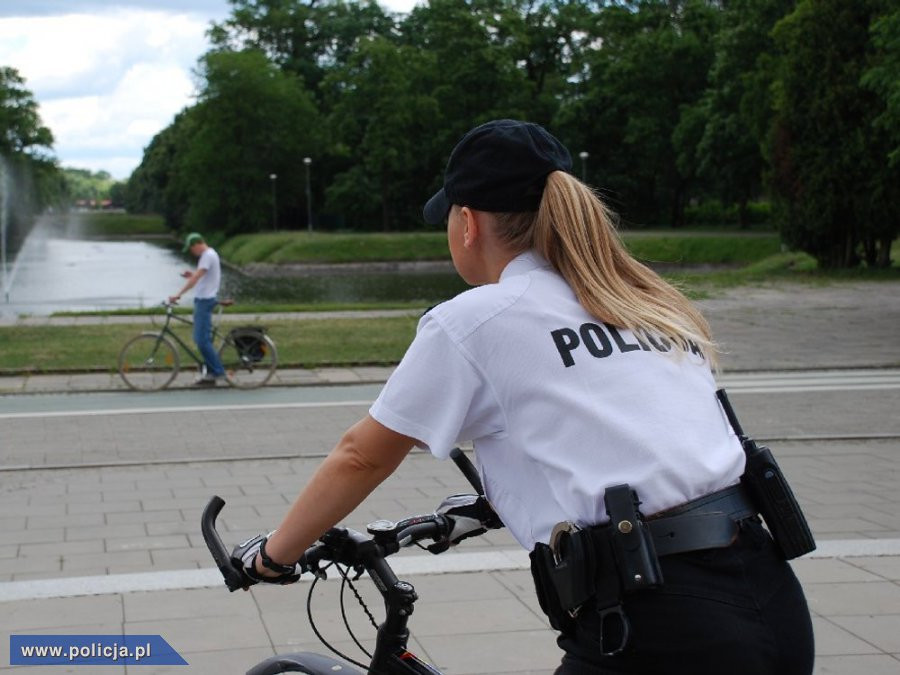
(771, 493)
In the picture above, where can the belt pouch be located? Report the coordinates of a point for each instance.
(631, 540)
(565, 580)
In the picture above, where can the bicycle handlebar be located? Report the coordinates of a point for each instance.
(341, 545)
(344, 545)
(468, 469)
(234, 579)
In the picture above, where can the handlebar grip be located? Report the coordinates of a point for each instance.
(468, 469)
(233, 578)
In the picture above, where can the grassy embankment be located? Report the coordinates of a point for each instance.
(752, 258)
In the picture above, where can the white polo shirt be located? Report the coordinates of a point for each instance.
(559, 406)
(208, 285)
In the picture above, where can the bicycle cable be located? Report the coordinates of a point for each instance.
(347, 582)
(319, 635)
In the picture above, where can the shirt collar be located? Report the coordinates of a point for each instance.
(523, 264)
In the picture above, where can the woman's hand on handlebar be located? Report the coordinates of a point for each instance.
(469, 516)
(255, 566)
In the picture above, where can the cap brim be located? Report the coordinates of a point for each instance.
(437, 208)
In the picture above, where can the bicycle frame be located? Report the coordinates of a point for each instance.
(167, 330)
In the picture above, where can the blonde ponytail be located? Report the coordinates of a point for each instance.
(575, 231)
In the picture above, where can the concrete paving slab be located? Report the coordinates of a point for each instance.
(204, 634)
(832, 640)
(493, 652)
(881, 631)
(884, 566)
(856, 598)
(847, 665)
(20, 615)
(831, 570)
(183, 604)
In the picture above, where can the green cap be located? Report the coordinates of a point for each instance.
(190, 240)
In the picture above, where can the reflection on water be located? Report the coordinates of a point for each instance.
(54, 274)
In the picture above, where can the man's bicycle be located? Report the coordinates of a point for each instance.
(352, 554)
(151, 360)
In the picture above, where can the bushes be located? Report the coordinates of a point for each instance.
(713, 212)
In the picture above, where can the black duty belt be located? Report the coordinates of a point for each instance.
(706, 522)
(607, 562)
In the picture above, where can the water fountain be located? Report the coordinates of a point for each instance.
(4, 218)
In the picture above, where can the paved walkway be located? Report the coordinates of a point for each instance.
(88, 382)
(116, 550)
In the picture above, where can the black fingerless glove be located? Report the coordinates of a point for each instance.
(244, 558)
(470, 515)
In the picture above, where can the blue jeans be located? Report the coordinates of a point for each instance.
(203, 309)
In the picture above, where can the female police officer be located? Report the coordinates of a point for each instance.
(572, 368)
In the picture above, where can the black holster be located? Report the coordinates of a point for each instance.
(597, 566)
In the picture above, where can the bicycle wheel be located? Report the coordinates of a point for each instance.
(148, 362)
(249, 357)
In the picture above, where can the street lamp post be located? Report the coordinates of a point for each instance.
(584, 155)
(274, 177)
(307, 161)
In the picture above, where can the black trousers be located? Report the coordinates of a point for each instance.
(737, 610)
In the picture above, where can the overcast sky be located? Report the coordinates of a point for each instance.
(109, 75)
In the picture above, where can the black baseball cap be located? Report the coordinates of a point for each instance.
(500, 166)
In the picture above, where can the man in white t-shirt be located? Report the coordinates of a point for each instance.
(205, 281)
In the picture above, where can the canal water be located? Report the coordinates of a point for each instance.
(53, 272)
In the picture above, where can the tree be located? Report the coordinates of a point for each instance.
(836, 194)
(883, 77)
(28, 173)
(305, 38)
(161, 184)
(737, 104)
(476, 76)
(21, 130)
(381, 112)
(647, 66)
(252, 120)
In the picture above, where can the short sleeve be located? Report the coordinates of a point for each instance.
(437, 395)
(205, 261)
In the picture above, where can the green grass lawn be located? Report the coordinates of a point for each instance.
(306, 343)
(689, 248)
(319, 247)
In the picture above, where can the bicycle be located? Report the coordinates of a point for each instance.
(362, 554)
(150, 361)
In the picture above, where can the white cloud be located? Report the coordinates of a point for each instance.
(108, 76)
(105, 84)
